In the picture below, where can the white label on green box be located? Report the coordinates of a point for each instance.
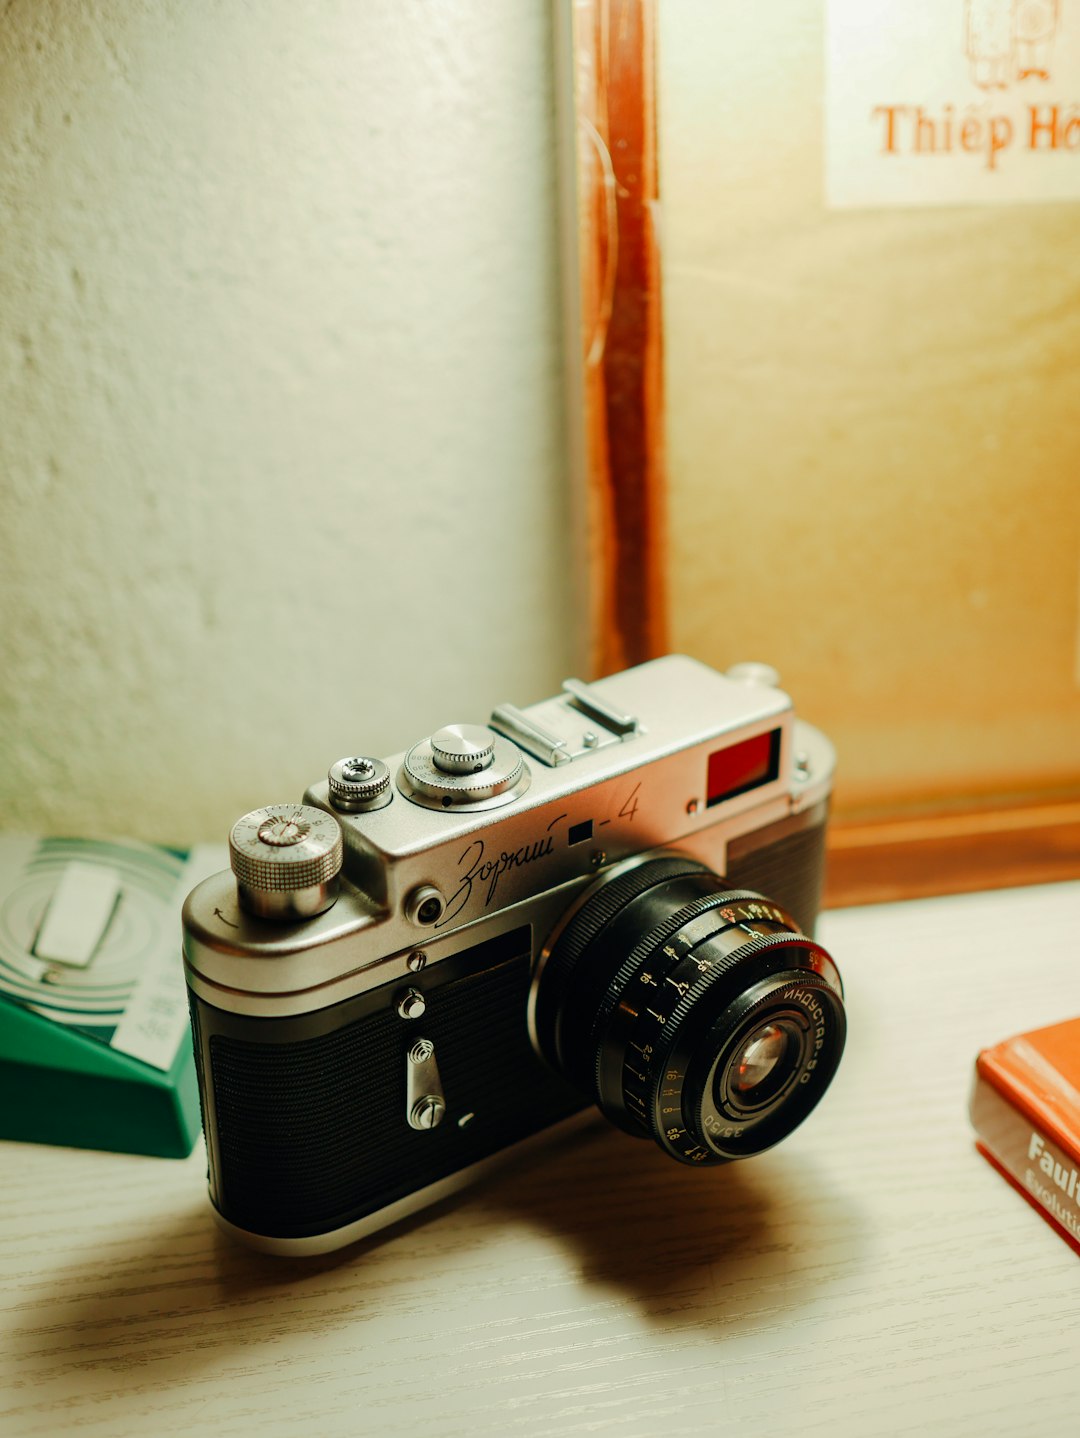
(78, 914)
(128, 992)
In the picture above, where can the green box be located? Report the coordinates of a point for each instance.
(95, 1048)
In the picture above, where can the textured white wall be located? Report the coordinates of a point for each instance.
(280, 442)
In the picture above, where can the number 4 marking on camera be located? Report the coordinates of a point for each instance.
(629, 809)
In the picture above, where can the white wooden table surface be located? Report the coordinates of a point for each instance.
(872, 1275)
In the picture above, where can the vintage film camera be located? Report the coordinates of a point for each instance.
(436, 959)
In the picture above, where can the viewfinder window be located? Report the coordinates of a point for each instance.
(743, 766)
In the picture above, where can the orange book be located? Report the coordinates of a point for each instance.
(1025, 1107)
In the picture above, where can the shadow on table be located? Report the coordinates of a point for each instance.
(705, 1248)
(741, 1243)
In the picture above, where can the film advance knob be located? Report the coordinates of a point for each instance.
(286, 859)
(462, 748)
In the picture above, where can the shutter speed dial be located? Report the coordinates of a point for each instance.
(464, 767)
(462, 748)
(286, 859)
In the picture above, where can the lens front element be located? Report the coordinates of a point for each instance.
(692, 1013)
(762, 1067)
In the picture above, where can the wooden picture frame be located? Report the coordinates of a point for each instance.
(614, 332)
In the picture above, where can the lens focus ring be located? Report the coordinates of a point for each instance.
(661, 985)
(672, 1097)
(655, 987)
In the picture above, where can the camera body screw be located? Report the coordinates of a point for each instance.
(427, 1112)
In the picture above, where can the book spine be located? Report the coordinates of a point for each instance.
(1034, 1162)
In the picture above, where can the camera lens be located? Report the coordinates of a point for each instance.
(690, 1012)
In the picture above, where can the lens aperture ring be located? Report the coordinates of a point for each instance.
(633, 1059)
(668, 1100)
(665, 969)
(669, 997)
(801, 991)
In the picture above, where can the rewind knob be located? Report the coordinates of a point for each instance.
(286, 859)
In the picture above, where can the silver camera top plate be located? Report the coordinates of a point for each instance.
(628, 764)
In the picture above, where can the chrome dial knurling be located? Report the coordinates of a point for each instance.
(424, 782)
(653, 1079)
(462, 748)
(358, 783)
(285, 847)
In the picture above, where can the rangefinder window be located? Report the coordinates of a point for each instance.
(742, 767)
